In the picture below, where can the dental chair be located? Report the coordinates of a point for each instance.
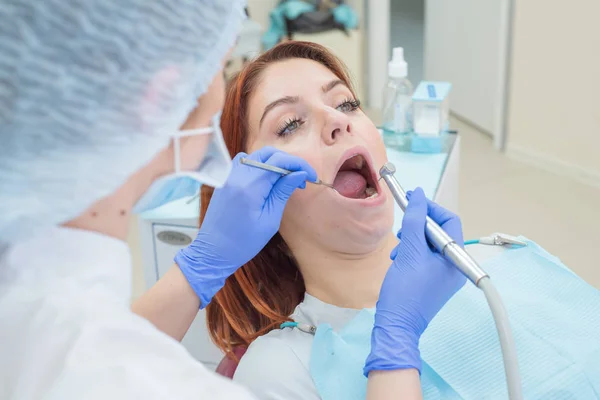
(227, 366)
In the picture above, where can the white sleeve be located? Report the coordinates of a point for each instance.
(272, 371)
(133, 360)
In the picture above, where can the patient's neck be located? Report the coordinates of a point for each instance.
(343, 280)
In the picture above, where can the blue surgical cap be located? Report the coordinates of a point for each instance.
(91, 91)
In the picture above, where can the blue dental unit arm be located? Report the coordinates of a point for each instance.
(446, 246)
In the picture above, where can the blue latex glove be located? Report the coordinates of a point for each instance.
(417, 285)
(242, 217)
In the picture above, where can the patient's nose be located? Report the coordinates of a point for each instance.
(337, 124)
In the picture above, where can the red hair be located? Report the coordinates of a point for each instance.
(265, 291)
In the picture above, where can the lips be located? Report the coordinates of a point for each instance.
(355, 178)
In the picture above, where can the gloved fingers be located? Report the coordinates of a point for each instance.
(236, 159)
(453, 227)
(283, 190)
(449, 221)
(238, 169)
(413, 223)
(286, 185)
(263, 154)
(246, 176)
(394, 253)
(267, 179)
(454, 273)
(278, 158)
(292, 163)
(441, 258)
(439, 214)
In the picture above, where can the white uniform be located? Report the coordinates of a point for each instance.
(276, 365)
(67, 332)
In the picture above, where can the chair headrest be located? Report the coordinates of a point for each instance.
(229, 364)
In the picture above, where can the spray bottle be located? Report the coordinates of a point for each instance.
(397, 100)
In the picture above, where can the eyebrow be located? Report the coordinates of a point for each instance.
(295, 99)
(333, 84)
(277, 103)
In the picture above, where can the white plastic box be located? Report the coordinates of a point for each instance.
(431, 108)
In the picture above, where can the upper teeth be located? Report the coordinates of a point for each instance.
(359, 162)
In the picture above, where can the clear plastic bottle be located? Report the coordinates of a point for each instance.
(397, 99)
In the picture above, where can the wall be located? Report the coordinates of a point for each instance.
(465, 44)
(554, 103)
(259, 9)
(407, 30)
(349, 49)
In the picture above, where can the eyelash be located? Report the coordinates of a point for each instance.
(353, 103)
(283, 131)
(296, 122)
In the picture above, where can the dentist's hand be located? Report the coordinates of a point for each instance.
(241, 218)
(417, 285)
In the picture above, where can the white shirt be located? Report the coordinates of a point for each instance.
(276, 365)
(67, 332)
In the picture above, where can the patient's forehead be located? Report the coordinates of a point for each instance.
(293, 77)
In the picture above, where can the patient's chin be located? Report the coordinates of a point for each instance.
(359, 236)
(318, 221)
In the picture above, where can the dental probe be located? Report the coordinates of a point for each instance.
(469, 267)
(267, 167)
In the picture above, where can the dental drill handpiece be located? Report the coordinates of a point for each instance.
(435, 234)
(469, 267)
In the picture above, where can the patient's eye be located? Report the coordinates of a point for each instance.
(289, 127)
(348, 105)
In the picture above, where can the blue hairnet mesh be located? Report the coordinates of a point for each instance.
(91, 90)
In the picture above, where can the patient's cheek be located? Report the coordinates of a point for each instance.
(305, 152)
(375, 143)
(300, 206)
(302, 196)
(296, 212)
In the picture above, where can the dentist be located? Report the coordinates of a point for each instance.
(112, 107)
(92, 97)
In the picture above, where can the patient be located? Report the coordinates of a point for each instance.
(331, 254)
(332, 251)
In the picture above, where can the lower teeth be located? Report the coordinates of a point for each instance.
(370, 192)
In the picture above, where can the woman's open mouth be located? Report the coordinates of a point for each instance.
(355, 179)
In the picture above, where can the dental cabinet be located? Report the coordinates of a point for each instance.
(163, 231)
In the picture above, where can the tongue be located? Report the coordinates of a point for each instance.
(350, 184)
